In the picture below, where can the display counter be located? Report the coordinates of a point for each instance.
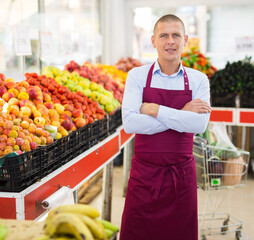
(26, 205)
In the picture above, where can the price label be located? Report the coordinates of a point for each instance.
(66, 44)
(244, 44)
(46, 44)
(22, 41)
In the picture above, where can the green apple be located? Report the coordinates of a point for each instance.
(109, 107)
(67, 74)
(57, 72)
(84, 83)
(115, 103)
(60, 80)
(105, 99)
(77, 88)
(74, 75)
(93, 86)
(100, 89)
(49, 74)
(87, 92)
(48, 68)
(108, 93)
(95, 96)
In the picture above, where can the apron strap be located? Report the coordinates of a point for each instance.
(149, 77)
(150, 74)
(186, 80)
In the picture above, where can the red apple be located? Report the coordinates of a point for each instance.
(32, 93)
(49, 105)
(7, 96)
(2, 90)
(77, 113)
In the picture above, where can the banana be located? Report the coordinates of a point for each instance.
(109, 225)
(3, 231)
(74, 223)
(109, 232)
(76, 208)
(94, 227)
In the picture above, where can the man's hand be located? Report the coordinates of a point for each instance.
(197, 106)
(150, 109)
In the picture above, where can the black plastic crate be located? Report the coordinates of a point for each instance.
(51, 158)
(83, 136)
(115, 120)
(94, 134)
(20, 171)
(103, 128)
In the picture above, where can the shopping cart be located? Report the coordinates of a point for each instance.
(219, 169)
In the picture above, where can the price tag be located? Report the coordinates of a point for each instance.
(22, 41)
(244, 44)
(46, 44)
(66, 44)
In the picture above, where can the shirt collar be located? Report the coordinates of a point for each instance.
(157, 69)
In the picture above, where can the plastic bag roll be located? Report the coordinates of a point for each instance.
(62, 196)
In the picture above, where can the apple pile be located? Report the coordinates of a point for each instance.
(91, 72)
(126, 64)
(21, 121)
(77, 83)
(75, 109)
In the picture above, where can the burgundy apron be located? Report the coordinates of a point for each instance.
(161, 199)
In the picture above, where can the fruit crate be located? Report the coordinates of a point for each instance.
(20, 171)
(82, 139)
(103, 128)
(98, 130)
(115, 120)
(51, 158)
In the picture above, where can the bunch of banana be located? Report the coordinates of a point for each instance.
(3, 231)
(78, 221)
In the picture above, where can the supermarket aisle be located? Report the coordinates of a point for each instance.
(238, 202)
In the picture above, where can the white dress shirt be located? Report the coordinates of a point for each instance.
(167, 118)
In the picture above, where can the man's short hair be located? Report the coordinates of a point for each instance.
(169, 18)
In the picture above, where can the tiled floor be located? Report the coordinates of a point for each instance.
(238, 202)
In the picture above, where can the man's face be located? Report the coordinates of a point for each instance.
(169, 39)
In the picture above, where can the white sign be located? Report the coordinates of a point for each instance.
(66, 44)
(22, 41)
(46, 44)
(244, 44)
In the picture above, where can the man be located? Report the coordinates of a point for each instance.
(164, 104)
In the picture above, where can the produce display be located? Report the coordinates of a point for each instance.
(236, 78)
(91, 72)
(126, 64)
(77, 221)
(76, 83)
(196, 60)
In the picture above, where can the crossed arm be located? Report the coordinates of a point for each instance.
(151, 118)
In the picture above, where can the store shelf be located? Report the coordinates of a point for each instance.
(26, 204)
(233, 116)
